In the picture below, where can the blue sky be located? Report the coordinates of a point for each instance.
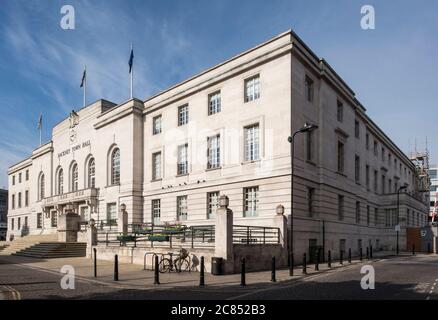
(392, 69)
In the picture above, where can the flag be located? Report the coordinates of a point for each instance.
(84, 76)
(40, 121)
(131, 59)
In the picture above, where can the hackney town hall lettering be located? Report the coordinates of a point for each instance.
(74, 148)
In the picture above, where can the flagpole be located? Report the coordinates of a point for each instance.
(85, 86)
(132, 73)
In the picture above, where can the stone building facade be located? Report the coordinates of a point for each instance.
(225, 132)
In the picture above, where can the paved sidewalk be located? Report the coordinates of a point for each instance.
(132, 276)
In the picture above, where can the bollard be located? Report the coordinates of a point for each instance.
(329, 259)
(360, 253)
(273, 277)
(349, 255)
(242, 273)
(304, 264)
(413, 249)
(368, 253)
(156, 272)
(116, 268)
(201, 273)
(341, 257)
(317, 260)
(371, 252)
(95, 262)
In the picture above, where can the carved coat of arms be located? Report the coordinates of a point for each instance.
(74, 121)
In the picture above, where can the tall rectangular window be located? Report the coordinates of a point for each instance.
(368, 215)
(387, 217)
(383, 154)
(214, 103)
(26, 198)
(13, 180)
(250, 201)
(309, 146)
(375, 181)
(181, 204)
(19, 177)
(183, 163)
(39, 220)
(383, 184)
(19, 223)
(213, 152)
(54, 219)
(367, 141)
(357, 168)
(308, 83)
(156, 165)
(212, 204)
(340, 157)
(183, 115)
(310, 198)
(156, 124)
(376, 216)
(340, 207)
(19, 199)
(375, 148)
(156, 210)
(252, 88)
(27, 175)
(357, 212)
(111, 212)
(340, 111)
(356, 129)
(389, 185)
(252, 147)
(367, 176)
(12, 224)
(13, 202)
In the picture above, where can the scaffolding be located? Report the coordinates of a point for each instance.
(420, 159)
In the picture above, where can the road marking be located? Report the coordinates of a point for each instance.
(14, 293)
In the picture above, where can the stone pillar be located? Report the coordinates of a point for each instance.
(68, 227)
(280, 221)
(224, 235)
(91, 237)
(123, 220)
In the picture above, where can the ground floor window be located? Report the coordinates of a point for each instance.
(111, 212)
(250, 201)
(54, 219)
(19, 223)
(39, 220)
(212, 204)
(181, 202)
(156, 210)
(12, 224)
(84, 214)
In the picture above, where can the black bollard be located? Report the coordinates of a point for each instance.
(360, 253)
(371, 252)
(116, 268)
(368, 253)
(95, 262)
(317, 260)
(242, 273)
(341, 257)
(304, 264)
(273, 277)
(201, 273)
(349, 255)
(329, 259)
(413, 249)
(156, 272)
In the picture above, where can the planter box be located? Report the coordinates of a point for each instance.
(158, 238)
(126, 238)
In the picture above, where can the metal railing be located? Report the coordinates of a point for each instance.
(110, 225)
(255, 235)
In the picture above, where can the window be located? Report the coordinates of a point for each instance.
(340, 207)
(309, 89)
(368, 215)
(183, 163)
(250, 201)
(13, 180)
(183, 115)
(212, 204)
(357, 212)
(375, 148)
(252, 88)
(213, 152)
(214, 103)
(376, 216)
(19, 200)
(156, 124)
(375, 181)
(19, 177)
(356, 129)
(389, 160)
(252, 143)
(54, 219)
(389, 185)
(74, 177)
(26, 198)
(383, 184)
(340, 111)
(357, 168)
(309, 145)
(433, 173)
(39, 220)
(26, 220)
(367, 141)
(340, 157)
(387, 217)
(156, 165)
(27, 175)
(181, 204)
(156, 210)
(41, 186)
(383, 154)
(310, 197)
(91, 173)
(12, 224)
(115, 167)
(19, 223)
(60, 181)
(13, 201)
(111, 212)
(367, 176)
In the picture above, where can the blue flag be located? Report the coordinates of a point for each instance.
(131, 60)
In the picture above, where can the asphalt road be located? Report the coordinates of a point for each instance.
(395, 278)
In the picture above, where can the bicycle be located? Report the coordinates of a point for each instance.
(181, 263)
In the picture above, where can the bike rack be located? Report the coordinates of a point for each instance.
(154, 254)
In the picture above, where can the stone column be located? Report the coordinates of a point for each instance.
(280, 221)
(224, 235)
(123, 220)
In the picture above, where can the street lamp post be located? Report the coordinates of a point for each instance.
(307, 128)
(398, 215)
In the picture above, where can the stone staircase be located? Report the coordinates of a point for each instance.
(44, 246)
